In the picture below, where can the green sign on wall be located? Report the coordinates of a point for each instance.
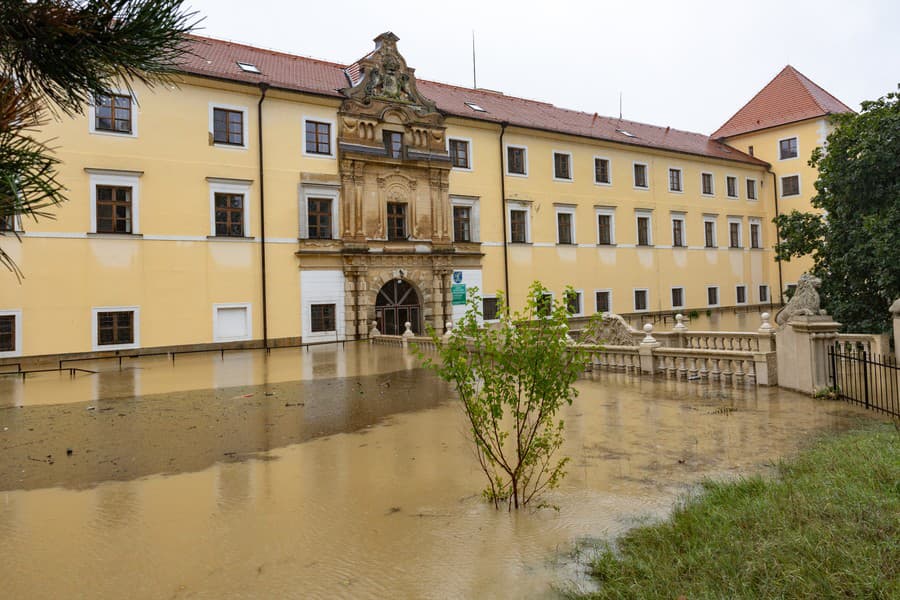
(458, 293)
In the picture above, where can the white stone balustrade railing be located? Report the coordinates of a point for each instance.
(855, 343)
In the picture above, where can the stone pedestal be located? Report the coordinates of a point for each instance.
(802, 352)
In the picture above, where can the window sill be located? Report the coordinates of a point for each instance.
(642, 187)
(114, 236)
(319, 154)
(230, 238)
(643, 246)
(519, 243)
(567, 244)
(610, 245)
(515, 175)
(229, 146)
(118, 134)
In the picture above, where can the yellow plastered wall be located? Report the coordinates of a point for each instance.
(810, 134)
(622, 268)
(176, 273)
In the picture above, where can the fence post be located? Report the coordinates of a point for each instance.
(895, 312)
(834, 384)
(865, 370)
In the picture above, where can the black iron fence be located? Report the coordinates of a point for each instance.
(872, 380)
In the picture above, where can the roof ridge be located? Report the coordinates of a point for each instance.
(330, 63)
(809, 83)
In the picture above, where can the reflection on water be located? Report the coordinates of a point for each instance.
(379, 502)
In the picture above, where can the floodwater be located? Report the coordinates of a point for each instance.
(339, 474)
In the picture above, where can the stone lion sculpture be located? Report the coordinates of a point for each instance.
(805, 300)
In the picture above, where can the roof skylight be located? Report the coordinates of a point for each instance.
(474, 106)
(248, 68)
(623, 132)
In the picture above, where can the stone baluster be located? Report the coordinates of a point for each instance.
(739, 372)
(703, 372)
(682, 367)
(714, 373)
(692, 370)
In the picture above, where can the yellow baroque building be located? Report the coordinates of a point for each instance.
(270, 199)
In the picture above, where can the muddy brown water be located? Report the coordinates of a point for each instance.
(339, 474)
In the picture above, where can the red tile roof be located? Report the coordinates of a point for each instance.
(218, 59)
(788, 98)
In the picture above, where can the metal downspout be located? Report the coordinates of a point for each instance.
(263, 87)
(503, 211)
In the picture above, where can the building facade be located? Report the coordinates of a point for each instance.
(270, 199)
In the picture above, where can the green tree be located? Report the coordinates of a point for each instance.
(855, 241)
(512, 378)
(56, 56)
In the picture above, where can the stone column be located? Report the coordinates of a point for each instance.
(802, 352)
(645, 350)
(764, 359)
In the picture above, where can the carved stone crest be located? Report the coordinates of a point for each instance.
(383, 75)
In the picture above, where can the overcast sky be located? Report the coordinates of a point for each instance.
(685, 64)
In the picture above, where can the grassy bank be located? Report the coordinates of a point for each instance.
(826, 526)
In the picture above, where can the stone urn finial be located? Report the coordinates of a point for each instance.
(448, 329)
(679, 324)
(408, 332)
(648, 339)
(374, 331)
(765, 327)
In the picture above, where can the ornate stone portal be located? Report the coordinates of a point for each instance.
(395, 218)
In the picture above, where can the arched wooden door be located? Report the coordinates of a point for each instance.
(397, 303)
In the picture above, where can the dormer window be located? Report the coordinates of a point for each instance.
(393, 143)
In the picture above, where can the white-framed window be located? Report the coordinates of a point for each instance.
(603, 301)
(679, 235)
(788, 148)
(763, 294)
(751, 189)
(676, 182)
(460, 150)
(544, 304)
(114, 114)
(710, 239)
(606, 225)
(10, 333)
(602, 170)
(318, 137)
(790, 186)
(677, 297)
(641, 299)
(319, 212)
(712, 295)
(707, 184)
(232, 321)
(516, 160)
(641, 176)
(731, 186)
(740, 294)
(490, 308)
(643, 221)
(466, 219)
(115, 327)
(565, 225)
(10, 223)
(755, 233)
(518, 215)
(575, 303)
(735, 233)
(115, 201)
(228, 127)
(229, 208)
(322, 305)
(562, 166)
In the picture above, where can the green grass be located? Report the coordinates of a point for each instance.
(826, 526)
